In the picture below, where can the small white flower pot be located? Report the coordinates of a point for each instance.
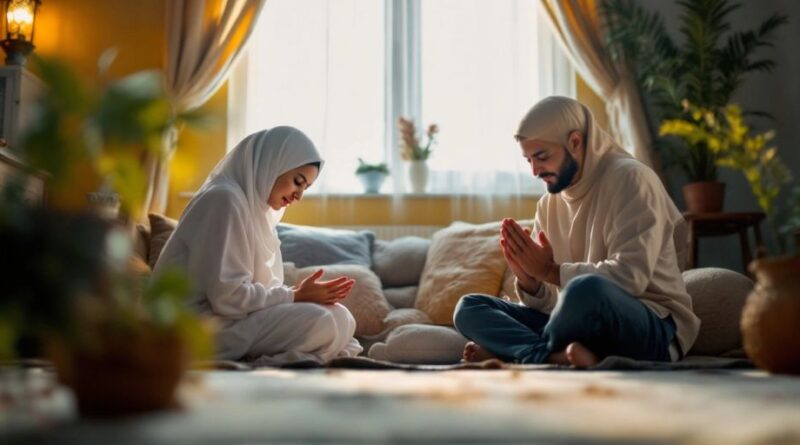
(372, 181)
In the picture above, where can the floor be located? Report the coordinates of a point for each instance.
(499, 406)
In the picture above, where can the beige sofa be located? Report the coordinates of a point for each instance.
(404, 296)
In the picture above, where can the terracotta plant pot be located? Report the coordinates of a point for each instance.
(123, 374)
(771, 316)
(704, 197)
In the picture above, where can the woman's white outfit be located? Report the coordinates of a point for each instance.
(226, 242)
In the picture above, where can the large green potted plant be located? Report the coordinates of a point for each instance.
(705, 68)
(72, 292)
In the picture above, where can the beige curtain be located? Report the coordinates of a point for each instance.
(579, 28)
(204, 38)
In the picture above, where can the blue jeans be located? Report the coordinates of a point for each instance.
(591, 310)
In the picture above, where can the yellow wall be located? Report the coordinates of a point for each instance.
(199, 150)
(595, 103)
(80, 30)
(413, 210)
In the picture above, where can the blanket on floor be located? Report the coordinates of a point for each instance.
(609, 363)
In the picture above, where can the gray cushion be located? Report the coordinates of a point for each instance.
(401, 297)
(718, 296)
(399, 262)
(312, 246)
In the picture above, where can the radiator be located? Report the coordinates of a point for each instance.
(390, 232)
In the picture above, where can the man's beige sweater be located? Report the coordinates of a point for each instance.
(623, 226)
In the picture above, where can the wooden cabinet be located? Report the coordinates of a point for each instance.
(13, 170)
(19, 89)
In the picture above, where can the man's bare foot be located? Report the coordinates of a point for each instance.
(473, 352)
(580, 356)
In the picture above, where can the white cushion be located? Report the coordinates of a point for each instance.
(423, 344)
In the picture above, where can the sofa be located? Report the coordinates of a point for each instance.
(406, 288)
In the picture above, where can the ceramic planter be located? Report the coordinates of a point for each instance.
(704, 197)
(372, 181)
(123, 373)
(771, 316)
(418, 176)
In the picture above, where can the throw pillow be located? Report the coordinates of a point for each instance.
(366, 301)
(399, 262)
(463, 259)
(718, 297)
(312, 246)
(401, 297)
(141, 241)
(161, 229)
(420, 344)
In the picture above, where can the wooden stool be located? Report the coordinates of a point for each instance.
(720, 224)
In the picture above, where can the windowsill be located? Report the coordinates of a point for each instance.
(190, 195)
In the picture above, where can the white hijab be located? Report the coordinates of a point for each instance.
(253, 166)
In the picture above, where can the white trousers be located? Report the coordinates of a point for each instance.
(289, 332)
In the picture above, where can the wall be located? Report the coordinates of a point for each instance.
(79, 31)
(777, 93)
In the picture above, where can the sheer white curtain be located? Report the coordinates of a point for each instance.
(319, 66)
(484, 64)
(578, 27)
(204, 38)
(331, 69)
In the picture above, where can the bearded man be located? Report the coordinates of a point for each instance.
(600, 274)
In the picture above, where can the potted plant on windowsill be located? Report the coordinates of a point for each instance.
(772, 311)
(416, 153)
(371, 176)
(706, 69)
(119, 339)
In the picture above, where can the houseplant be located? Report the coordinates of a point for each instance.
(74, 292)
(706, 68)
(772, 311)
(416, 153)
(371, 175)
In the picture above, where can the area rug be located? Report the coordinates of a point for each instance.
(609, 363)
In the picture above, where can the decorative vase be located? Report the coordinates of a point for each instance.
(418, 176)
(704, 197)
(771, 316)
(372, 181)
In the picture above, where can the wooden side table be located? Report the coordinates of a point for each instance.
(720, 224)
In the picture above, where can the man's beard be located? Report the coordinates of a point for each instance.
(567, 171)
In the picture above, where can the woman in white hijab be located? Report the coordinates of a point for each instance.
(227, 243)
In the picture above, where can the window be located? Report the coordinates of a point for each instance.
(343, 71)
